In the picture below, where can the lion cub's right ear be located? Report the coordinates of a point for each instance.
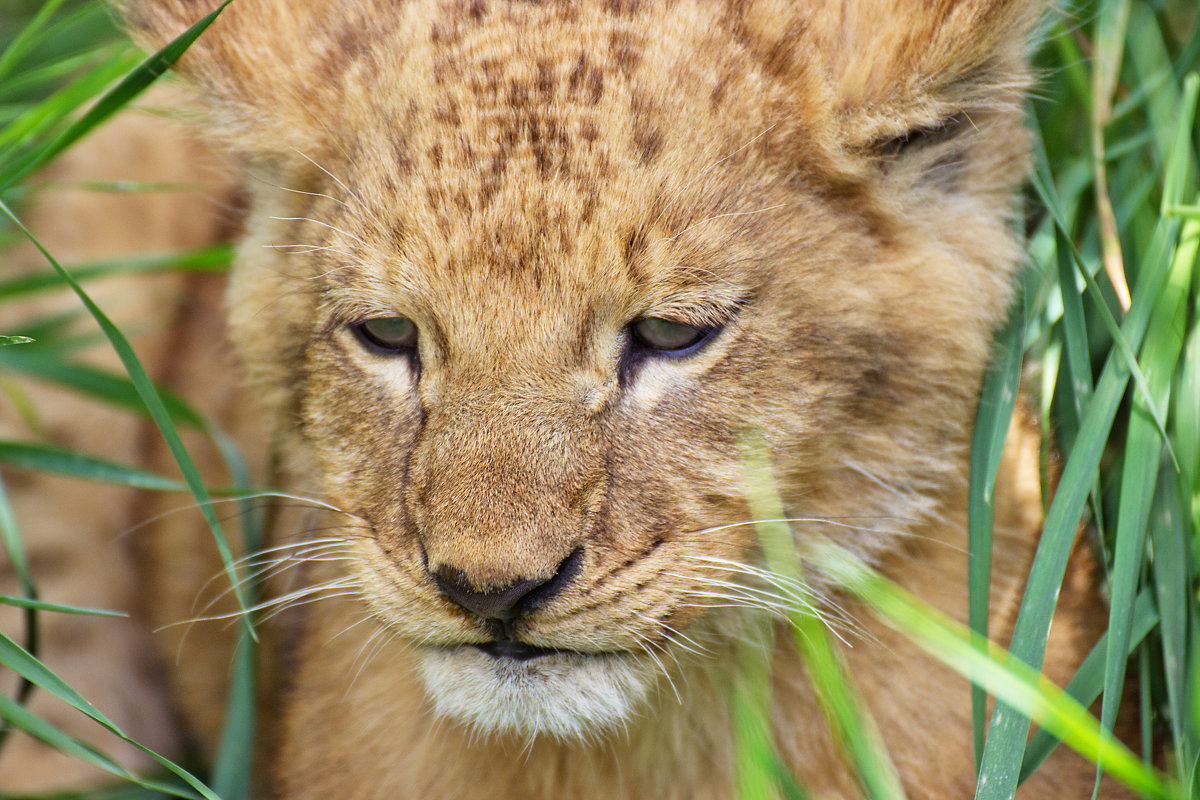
(270, 68)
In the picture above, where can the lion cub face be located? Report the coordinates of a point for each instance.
(519, 278)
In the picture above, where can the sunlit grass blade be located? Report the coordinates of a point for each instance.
(1088, 682)
(846, 714)
(1017, 686)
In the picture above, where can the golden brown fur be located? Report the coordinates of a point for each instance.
(830, 184)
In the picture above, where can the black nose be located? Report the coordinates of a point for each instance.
(509, 602)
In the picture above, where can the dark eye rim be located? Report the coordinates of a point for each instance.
(639, 347)
(376, 345)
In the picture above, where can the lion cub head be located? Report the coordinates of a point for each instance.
(519, 275)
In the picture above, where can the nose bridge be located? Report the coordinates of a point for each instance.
(501, 486)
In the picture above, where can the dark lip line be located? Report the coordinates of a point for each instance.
(516, 650)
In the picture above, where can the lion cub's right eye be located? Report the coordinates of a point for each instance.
(388, 335)
(665, 337)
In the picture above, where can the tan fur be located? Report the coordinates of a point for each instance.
(832, 183)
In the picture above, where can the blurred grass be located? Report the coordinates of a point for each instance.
(85, 79)
(1113, 203)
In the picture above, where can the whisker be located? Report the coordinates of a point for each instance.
(279, 603)
(335, 228)
(303, 249)
(647, 647)
(380, 227)
(304, 551)
(305, 501)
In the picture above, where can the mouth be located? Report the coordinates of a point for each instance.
(515, 650)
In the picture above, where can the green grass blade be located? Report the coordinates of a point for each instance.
(1148, 56)
(1187, 421)
(1046, 192)
(117, 98)
(1075, 338)
(15, 548)
(22, 719)
(21, 662)
(71, 464)
(42, 79)
(27, 38)
(1172, 589)
(1003, 751)
(19, 139)
(996, 401)
(214, 259)
(233, 769)
(24, 602)
(1088, 682)
(750, 712)
(158, 413)
(845, 712)
(115, 390)
(232, 776)
(1139, 473)
(1019, 687)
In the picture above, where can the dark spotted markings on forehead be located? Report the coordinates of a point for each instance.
(497, 97)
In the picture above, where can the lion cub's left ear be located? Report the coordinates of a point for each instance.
(897, 75)
(908, 63)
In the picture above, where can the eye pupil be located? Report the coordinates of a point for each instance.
(665, 336)
(392, 334)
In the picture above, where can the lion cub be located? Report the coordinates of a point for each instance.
(516, 279)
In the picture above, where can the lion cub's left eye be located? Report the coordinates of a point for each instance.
(387, 334)
(669, 338)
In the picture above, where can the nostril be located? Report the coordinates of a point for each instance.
(508, 602)
(542, 594)
(489, 604)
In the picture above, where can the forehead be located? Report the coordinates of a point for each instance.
(506, 160)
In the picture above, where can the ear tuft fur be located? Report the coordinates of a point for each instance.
(262, 62)
(895, 66)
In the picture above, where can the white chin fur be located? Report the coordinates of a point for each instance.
(568, 696)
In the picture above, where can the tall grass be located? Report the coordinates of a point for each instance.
(1109, 314)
